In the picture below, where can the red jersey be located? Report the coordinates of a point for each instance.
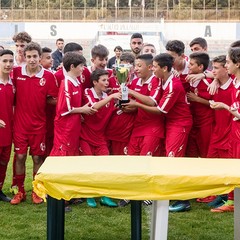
(202, 114)
(93, 126)
(7, 92)
(84, 79)
(31, 99)
(235, 131)
(174, 103)
(67, 126)
(223, 118)
(147, 124)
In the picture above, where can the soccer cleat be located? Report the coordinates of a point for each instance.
(206, 199)
(106, 201)
(123, 203)
(18, 198)
(4, 198)
(13, 190)
(180, 206)
(36, 199)
(147, 202)
(91, 202)
(218, 201)
(226, 207)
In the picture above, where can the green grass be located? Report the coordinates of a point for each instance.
(27, 221)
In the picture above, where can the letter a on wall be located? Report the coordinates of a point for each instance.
(208, 32)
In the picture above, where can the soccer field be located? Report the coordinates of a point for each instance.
(27, 221)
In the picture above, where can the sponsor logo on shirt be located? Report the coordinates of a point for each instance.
(42, 81)
(20, 78)
(74, 93)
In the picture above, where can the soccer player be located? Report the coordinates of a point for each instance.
(233, 67)
(121, 122)
(7, 92)
(47, 63)
(198, 45)
(67, 123)
(136, 44)
(57, 55)
(176, 49)
(92, 137)
(203, 115)
(35, 86)
(21, 39)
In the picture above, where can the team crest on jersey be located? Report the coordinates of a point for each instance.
(107, 105)
(149, 86)
(42, 81)
(43, 147)
(83, 79)
(125, 150)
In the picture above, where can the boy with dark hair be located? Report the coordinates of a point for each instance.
(46, 59)
(7, 92)
(67, 124)
(136, 44)
(35, 86)
(203, 116)
(198, 45)
(176, 49)
(92, 137)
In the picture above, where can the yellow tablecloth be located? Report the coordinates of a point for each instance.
(136, 177)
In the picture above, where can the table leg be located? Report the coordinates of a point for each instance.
(136, 220)
(236, 213)
(55, 219)
(159, 226)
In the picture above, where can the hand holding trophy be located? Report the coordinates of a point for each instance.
(123, 76)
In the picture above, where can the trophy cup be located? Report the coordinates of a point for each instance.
(123, 75)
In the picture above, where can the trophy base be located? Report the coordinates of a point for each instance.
(120, 102)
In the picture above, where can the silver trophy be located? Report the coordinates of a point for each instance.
(123, 72)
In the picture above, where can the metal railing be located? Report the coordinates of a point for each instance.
(120, 14)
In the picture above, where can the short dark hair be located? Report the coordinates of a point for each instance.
(119, 48)
(127, 57)
(99, 51)
(164, 60)
(6, 51)
(74, 58)
(147, 58)
(201, 58)
(176, 46)
(96, 74)
(72, 47)
(23, 37)
(235, 44)
(201, 41)
(59, 40)
(46, 50)
(136, 35)
(33, 46)
(234, 54)
(220, 59)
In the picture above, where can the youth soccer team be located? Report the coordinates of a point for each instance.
(74, 109)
